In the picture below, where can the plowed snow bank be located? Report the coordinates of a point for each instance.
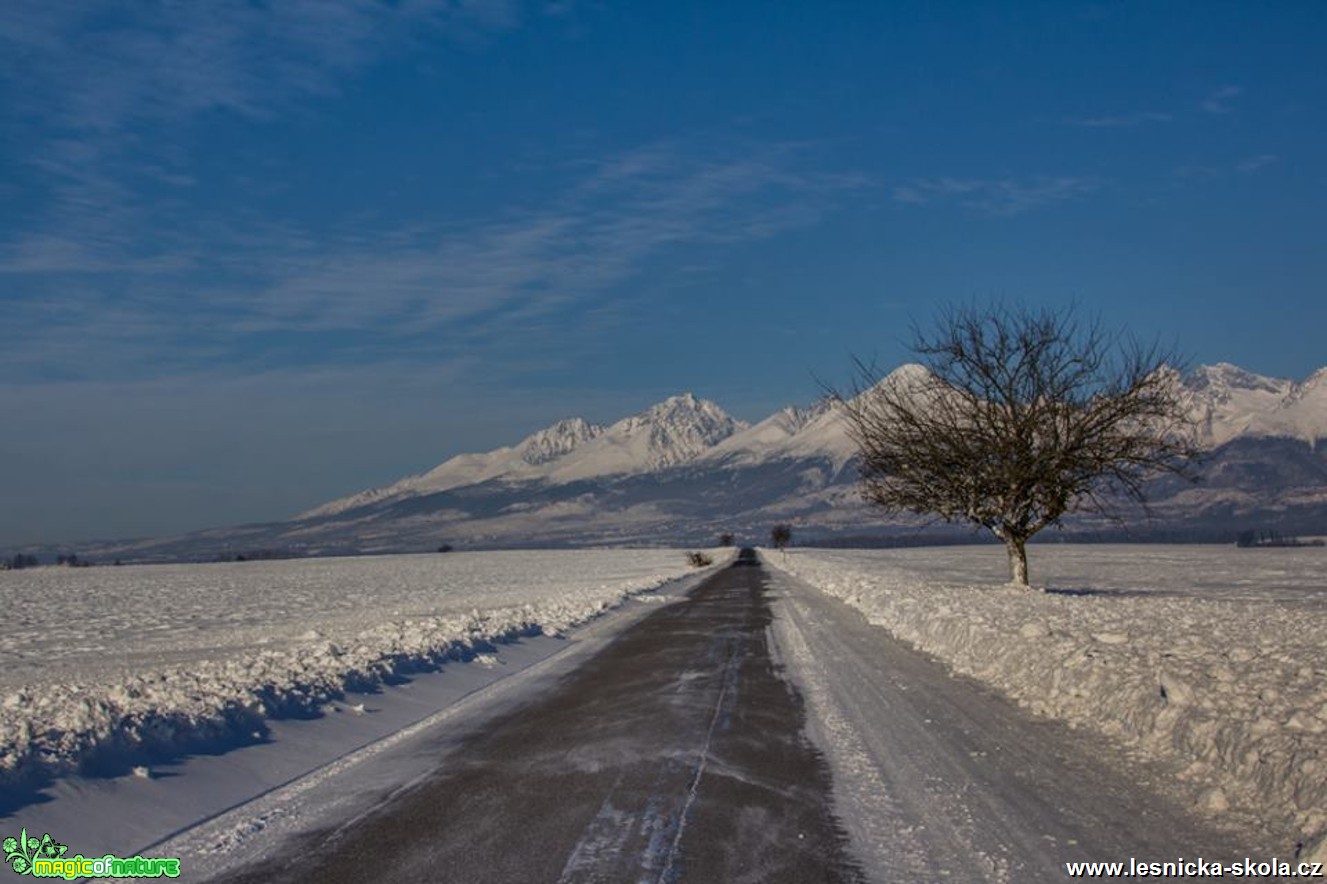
(117, 662)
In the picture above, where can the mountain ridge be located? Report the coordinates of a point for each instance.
(667, 433)
(683, 470)
(1228, 401)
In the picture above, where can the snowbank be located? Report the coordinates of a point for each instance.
(114, 663)
(1228, 680)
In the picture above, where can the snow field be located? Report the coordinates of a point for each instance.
(1211, 658)
(111, 661)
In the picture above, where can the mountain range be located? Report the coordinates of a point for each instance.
(682, 471)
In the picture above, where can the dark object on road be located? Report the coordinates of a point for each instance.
(746, 558)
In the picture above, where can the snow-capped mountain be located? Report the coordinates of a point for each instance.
(667, 434)
(1303, 412)
(778, 434)
(673, 432)
(683, 470)
(553, 442)
(1229, 402)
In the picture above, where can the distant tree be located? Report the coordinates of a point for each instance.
(780, 536)
(1019, 418)
(726, 539)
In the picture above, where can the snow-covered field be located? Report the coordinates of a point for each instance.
(162, 657)
(1209, 658)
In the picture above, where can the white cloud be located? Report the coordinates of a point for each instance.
(1219, 101)
(100, 65)
(1255, 164)
(96, 90)
(1122, 121)
(217, 290)
(120, 277)
(995, 196)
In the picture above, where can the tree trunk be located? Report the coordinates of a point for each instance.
(1018, 559)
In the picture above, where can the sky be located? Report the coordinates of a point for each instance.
(258, 255)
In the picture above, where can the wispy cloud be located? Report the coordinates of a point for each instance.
(1258, 163)
(96, 93)
(1225, 170)
(996, 196)
(218, 293)
(104, 64)
(1121, 121)
(1219, 101)
(117, 272)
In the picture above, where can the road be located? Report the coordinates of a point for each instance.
(939, 778)
(683, 752)
(677, 754)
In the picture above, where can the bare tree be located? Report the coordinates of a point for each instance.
(726, 539)
(780, 536)
(1017, 418)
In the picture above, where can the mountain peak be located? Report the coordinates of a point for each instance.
(556, 440)
(1223, 377)
(682, 403)
(675, 430)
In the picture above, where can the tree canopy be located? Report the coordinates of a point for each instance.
(1015, 418)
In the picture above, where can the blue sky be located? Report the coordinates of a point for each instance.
(256, 255)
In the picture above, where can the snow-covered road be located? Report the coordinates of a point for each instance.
(939, 778)
(1207, 661)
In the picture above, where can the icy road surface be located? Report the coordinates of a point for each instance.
(1207, 660)
(938, 778)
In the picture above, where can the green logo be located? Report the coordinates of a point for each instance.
(21, 853)
(45, 858)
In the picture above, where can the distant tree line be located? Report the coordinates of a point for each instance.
(258, 555)
(19, 562)
(1247, 539)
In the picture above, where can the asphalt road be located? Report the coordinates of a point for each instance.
(677, 754)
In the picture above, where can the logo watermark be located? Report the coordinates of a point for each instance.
(44, 857)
